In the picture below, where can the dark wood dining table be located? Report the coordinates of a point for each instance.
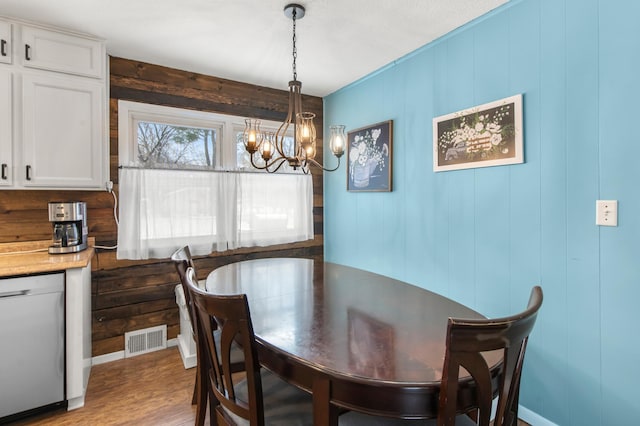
(355, 339)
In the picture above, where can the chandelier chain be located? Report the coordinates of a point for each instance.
(295, 51)
(269, 146)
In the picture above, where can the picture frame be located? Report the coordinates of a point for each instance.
(366, 332)
(483, 136)
(370, 158)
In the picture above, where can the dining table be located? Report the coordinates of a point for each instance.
(354, 339)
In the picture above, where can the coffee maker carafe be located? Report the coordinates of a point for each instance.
(69, 221)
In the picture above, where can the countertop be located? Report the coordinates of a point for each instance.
(32, 257)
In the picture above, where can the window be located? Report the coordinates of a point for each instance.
(168, 146)
(181, 182)
(176, 138)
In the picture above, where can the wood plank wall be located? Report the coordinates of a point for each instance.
(131, 295)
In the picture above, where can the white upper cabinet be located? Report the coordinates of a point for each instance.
(6, 126)
(6, 42)
(57, 51)
(61, 132)
(53, 109)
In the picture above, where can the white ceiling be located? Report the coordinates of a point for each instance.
(338, 41)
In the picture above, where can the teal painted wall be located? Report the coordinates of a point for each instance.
(485, 236)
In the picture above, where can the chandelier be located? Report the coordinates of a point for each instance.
(273, 148)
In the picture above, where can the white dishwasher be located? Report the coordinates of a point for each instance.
(33, 343)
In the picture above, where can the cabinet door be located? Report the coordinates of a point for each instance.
(62, 132)
(6, 125)
(5, 42)
(57, 51)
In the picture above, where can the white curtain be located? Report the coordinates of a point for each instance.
(162, 210)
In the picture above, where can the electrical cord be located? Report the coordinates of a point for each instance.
(115, 216)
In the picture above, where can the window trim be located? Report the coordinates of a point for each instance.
(130, 113)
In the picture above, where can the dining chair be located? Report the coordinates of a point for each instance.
(182, 261)
(466, 341)
(261, 397)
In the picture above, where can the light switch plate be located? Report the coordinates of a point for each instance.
(607, 212)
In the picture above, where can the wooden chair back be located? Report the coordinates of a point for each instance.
(182, 261)
(232, 317)
(466, 341)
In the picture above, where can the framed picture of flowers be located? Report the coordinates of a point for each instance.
(483, 136)
(369, 157)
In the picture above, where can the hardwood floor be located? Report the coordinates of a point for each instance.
(150, 389)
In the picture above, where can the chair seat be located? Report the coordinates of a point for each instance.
(284, 404)
(358, 419)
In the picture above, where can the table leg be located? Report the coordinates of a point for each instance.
(324, 413)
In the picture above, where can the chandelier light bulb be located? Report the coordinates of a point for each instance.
(337, 140)
(266, 151)
(251, 135)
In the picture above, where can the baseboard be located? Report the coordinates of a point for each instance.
(115, 356)
(532, 418)
(75, 403)
(103, 359)
(187, 352)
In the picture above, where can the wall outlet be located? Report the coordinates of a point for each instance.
(607, 212)
(109, 186)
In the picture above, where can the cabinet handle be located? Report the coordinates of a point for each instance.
(15, 293)
(27, 52)
(28, 172)
(4, 171)
(3, 47)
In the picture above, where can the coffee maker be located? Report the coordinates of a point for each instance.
(69, 221)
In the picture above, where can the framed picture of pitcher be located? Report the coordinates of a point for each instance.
(369, 158)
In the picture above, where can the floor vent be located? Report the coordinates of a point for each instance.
(144, 341)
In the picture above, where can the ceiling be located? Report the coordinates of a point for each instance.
(338, 41)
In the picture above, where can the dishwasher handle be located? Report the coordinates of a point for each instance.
(15, 293)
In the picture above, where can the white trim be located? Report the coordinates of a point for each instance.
(75, 403)
(187, 352)
(130, 113)
(115, 356)
(534, 419)
(103, 359)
